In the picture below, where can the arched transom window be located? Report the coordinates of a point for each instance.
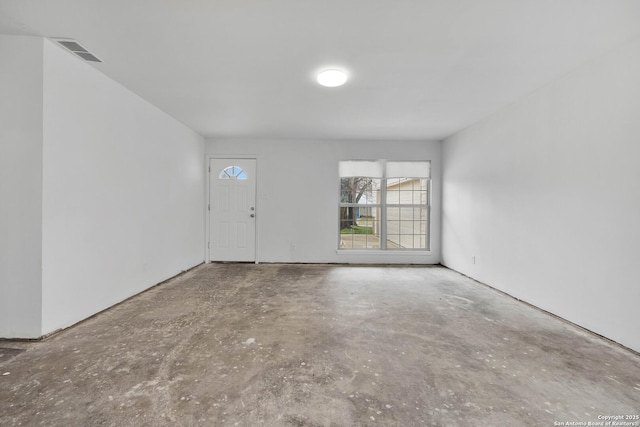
(232, 172)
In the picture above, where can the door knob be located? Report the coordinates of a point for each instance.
(252, 215)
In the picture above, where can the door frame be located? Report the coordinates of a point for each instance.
(207, 202)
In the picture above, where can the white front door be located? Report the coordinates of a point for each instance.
(232, 210)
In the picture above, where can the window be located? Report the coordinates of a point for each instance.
(232, 172)
(384, 205)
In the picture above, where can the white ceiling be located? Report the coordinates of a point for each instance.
(420, 69)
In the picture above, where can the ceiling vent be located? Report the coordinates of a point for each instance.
(75, 47)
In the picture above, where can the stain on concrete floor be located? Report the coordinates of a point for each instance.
(318, 345)
(7, 353)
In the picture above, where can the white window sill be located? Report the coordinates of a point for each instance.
(384, 252)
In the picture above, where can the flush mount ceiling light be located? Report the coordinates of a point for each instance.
(332, 78)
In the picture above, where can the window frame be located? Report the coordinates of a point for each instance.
(383, 206)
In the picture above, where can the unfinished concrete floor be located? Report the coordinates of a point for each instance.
(318, 345)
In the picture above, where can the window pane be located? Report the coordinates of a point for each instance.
(393, 195)
(406, 228)
(406, 191)
(393, 214)
(361, 190)
(360, 233)
(393, 241)
(232, 172)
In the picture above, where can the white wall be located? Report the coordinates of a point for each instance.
(20, 186)
(297, 198)
(546, 195)
(123, 192)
